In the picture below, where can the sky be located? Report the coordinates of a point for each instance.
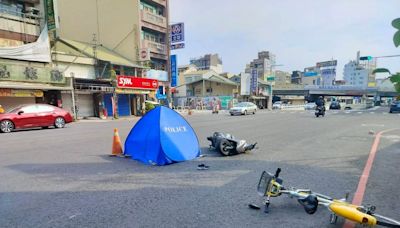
(299, 32)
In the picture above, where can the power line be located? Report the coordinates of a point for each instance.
(387, 56)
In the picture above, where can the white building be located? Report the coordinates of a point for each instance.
(264, 65)
(356, 75)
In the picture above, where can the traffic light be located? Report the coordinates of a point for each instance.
(365, 57)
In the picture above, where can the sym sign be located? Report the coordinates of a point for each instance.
(130, 82)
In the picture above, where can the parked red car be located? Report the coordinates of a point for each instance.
(34, 115)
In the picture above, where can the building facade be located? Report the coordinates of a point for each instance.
(129, 40)
(282, 78)
(264, 65)
(312, 76)
(26, 73)
(297, 77)
(208, 62)
(355, 75)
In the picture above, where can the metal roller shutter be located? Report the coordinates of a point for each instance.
(123, 105)
(85, 105)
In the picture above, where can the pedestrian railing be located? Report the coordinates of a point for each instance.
(292, 107)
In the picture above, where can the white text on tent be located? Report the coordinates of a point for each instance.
(175, 129)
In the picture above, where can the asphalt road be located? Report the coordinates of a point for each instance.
(65, 178)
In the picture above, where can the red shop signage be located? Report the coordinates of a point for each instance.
(136, 83)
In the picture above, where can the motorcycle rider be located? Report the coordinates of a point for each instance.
(320, 103)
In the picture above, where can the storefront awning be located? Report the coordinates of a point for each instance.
(102, 53)
(23, 85)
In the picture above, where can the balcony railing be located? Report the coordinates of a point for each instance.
(154, 19)
(155, 47)
(161, 2)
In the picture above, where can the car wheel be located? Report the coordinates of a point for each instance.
(254, 112)
(245, 112)
(59, 122)
(231, 114)
(6, 126)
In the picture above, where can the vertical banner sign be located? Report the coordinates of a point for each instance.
(244, 84)
(253, 81)
(50, 17)
(174, 70)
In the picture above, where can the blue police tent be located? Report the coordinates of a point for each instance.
(162, 137)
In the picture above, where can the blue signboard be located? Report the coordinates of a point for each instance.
(174, 70)
(253, 81)
(177, 33)
(177, 46)
(328, 72)
(160, 95)
(310, 73)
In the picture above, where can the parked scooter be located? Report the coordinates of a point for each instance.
(320, 111)
(227, 145)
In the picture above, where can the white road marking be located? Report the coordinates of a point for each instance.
(372, 125)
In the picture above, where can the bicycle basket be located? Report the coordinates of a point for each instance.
(264, 183)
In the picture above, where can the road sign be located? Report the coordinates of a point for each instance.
(177, 46)
(177, 33)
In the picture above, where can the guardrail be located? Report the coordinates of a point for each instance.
(292, 107)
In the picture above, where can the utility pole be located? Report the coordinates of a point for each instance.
(169, 95)
(73, 95)
(271, 88)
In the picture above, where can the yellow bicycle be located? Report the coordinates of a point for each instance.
(271, 186)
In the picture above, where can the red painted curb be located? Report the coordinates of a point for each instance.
(362, 184)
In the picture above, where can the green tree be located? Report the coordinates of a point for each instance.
(396, 37)
(394, 78)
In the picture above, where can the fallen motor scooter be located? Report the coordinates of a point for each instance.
(320, 111)
(227, 145)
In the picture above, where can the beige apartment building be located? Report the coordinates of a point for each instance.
(128, 27)
(110, 31)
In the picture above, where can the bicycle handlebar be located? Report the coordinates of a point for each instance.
(278, 170)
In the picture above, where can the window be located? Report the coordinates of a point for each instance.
(30, 109)
(45, 108)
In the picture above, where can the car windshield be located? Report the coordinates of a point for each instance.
(14, 110)
(241, 105)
